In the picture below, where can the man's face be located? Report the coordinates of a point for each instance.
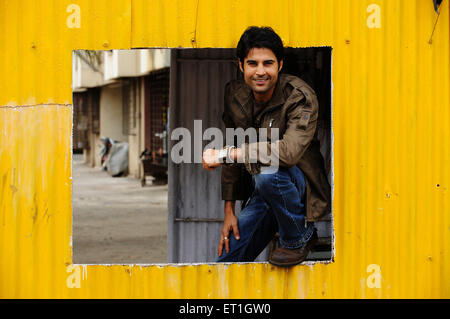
(260, 70)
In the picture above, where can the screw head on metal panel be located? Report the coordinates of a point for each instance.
(105, 44)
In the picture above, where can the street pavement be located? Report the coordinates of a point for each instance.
(115, 219)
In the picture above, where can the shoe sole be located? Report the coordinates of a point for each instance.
(312, 243)
(285, 265)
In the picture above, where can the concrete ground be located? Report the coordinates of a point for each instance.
(115, 220)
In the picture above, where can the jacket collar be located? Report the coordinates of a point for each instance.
(244, 94)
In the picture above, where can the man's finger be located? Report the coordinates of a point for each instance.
(220, 248)
(221, 243)
(236, 231)
(227, 245)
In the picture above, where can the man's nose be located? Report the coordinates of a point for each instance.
(260, 69)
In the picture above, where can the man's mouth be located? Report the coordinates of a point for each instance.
(260, 81)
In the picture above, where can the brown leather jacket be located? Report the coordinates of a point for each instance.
(293, 109)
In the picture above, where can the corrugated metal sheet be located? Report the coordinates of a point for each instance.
(197, 88)
(39, 38)
(391, 126)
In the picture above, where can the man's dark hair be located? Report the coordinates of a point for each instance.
(259, 37)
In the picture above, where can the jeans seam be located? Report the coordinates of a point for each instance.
(284, 204)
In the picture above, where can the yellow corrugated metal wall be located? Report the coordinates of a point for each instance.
(391, 126)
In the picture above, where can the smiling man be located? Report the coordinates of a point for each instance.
(287, 200)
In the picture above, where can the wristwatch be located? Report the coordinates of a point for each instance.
(225, 155)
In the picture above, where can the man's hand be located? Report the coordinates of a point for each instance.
(229, 224)
(210, 159)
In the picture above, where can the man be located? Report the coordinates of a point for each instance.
(289, 200)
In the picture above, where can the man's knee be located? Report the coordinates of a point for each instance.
(263, 180)
(267, 182)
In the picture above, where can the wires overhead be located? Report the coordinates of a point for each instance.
(437, 3)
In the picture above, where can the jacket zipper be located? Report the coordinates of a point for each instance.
(258, 119)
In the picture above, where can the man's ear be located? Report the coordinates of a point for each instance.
(240, 66)
(281, 65)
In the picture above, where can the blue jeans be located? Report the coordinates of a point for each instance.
(277, 204)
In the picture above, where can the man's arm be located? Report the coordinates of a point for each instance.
(301, 127)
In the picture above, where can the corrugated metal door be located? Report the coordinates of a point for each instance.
(198, 78)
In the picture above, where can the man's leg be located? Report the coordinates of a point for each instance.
(284, 191)
(257, 226)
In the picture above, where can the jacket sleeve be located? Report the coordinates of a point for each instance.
(301, 123)
(233, 176)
